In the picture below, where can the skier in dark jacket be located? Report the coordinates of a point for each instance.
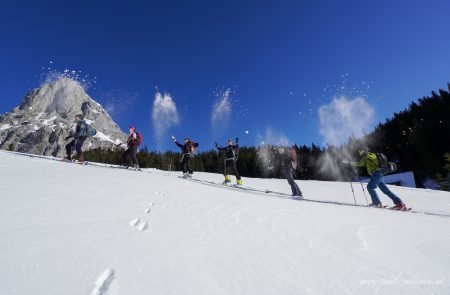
(288, 163)
(187, 152)
(133, 141)
(231, 157)
(78, 138)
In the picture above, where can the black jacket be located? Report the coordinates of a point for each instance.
(231, 151)
(187, 147)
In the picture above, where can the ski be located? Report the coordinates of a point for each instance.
(73, 161)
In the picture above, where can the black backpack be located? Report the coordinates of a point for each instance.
(385, 166)
(382, 161)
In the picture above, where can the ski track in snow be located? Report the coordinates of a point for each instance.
(103, 282)
(360, 235)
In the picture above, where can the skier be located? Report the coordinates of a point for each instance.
(187, 152)
(79, 137)
(133, 141)
(370, 161)
(288, 163)
(231, 157)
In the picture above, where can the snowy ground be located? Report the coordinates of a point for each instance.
(72, 229)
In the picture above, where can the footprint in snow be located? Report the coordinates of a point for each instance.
(149, 209)
(143, 226)
(162, 194)
(134, 222)
(103, 282)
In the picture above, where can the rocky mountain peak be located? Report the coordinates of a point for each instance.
(45, 117)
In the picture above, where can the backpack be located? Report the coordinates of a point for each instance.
(382, 161)
(192, 148)
(90, 131)
(138, 138)
(383, 164)
(294, 158)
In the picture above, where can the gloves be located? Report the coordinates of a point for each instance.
(173, 138)
(67, 137)
(346, 162)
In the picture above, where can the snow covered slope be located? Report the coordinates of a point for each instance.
(72, 229)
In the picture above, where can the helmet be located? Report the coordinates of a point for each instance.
(363, 151)
(132, 127)
(80, 116)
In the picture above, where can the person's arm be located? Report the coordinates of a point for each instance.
(361, 163)
(219, 147)
(178, 144)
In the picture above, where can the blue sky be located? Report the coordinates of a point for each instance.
(281, 60)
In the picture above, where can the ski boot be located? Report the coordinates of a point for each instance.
(376, 205)
(239, 182)
(399, 207)
(227, 179)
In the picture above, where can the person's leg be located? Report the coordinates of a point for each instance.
(226, 162)
(372, 185)
(69, 148)
(188, 164)
(134, 156)
(184, 163)
(389, 193)
(288, 174)
(238, 177)
(78, 147)
(125, 155)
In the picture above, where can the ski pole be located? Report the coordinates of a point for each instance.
(353, 192)
(364, 191)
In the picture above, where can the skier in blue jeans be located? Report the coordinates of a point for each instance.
(370, 161)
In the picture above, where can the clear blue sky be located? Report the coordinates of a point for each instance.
(270, 53)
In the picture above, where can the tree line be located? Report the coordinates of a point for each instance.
(416, 139)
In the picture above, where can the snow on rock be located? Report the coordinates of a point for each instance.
(4, 127)
(52, 108)
(64, 229)
(46, 122)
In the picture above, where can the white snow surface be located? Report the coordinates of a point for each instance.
(73, 229)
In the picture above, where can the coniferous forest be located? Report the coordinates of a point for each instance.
(416, 139)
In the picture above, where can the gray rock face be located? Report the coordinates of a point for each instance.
(40, 124)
